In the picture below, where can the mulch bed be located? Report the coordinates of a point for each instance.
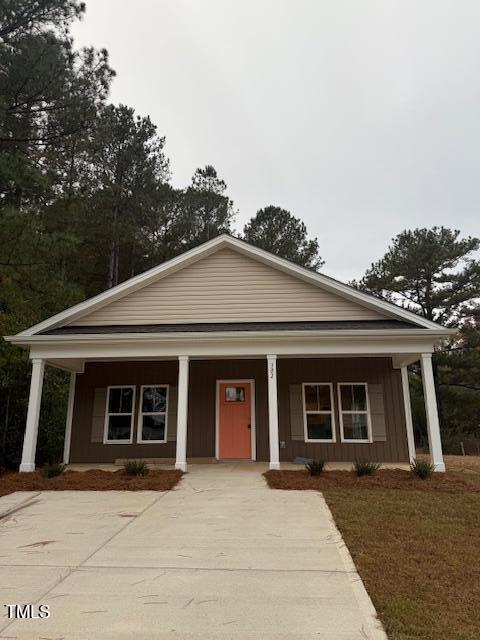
(382, 479)
(92, 480)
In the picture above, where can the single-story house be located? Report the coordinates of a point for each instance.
(228, 352)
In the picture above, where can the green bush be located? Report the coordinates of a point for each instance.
(136, 468)
(53, 470)
(366, 468)
(422, 469)
(315, 467)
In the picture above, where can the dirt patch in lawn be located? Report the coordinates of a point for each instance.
(92, 480)
(382, 480)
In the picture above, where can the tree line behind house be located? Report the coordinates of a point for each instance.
(86, 201)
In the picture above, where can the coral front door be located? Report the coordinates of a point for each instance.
(235, 420)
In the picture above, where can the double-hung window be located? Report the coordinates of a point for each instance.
(318, 418)
(354, 412)
(119, 415)
(152, 413)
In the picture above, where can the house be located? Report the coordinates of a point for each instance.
(228, 352)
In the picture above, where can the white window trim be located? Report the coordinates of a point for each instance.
(331, 412)
(107, 414)
(366, 412)
(152, 413)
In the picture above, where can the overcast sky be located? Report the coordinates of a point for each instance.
(360, 117)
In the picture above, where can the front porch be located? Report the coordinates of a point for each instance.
(241, 466)
(228, 351)
(282, 423)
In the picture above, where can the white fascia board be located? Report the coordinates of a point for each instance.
(228, 349)
(204, 336)
(208, 346)
(210, 247)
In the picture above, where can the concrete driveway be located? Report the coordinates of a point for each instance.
(221, 556)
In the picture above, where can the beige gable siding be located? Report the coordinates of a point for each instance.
(227, 287)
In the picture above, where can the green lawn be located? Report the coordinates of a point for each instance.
(417, 551)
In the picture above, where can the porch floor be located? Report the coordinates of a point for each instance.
(247, 467)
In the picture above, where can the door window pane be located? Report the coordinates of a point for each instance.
(234, 394)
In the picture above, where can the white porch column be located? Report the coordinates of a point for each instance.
(273, 412)
(182, 414)
(33, 414)
(408, 414)
(68, 422)
(433, 427)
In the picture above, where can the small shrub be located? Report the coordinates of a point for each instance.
(366, 468)
(53, 470)
(422, 468)
(136, 468)
(315, 467)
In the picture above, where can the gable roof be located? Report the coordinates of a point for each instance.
(227, 286)
(208, 248)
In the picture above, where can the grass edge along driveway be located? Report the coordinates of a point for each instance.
(417, 548)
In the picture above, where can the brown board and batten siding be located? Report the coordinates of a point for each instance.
(87, 435)
(201, 405)
(377, 372)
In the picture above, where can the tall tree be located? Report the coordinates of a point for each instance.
(429, 271)
(458, 367)
(126, 167)
(432, 272)
(49, 93)
(206, 211)
(49, 90)
(460, 363)
(19, 17)
(278, 231)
